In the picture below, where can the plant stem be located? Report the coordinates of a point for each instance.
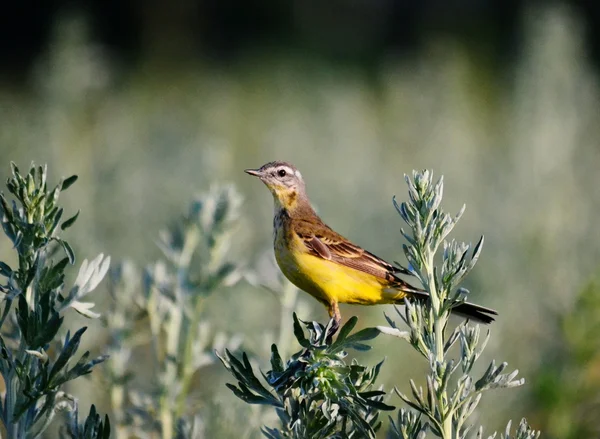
(189, 326)
(117, 396)
(438, 328)
(166, 418)
(439, 323)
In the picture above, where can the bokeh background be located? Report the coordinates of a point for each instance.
(152, 102)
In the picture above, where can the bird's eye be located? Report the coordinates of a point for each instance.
(281, 173)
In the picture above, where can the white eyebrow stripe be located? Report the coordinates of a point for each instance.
(287, 169)
(298, 174)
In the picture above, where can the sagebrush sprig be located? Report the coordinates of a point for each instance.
(167, 298)
(34, 378)
(316, 393)
(449, 399)
(524, 431)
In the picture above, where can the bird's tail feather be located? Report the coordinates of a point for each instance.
(475, 312)
(465, 309)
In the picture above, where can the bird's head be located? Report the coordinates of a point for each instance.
(283, 180)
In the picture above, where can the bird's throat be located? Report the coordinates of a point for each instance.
(287, 200)
(294, 203)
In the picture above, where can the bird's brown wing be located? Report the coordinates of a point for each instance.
(325, 243)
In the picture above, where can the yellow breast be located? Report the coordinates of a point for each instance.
(325, 280)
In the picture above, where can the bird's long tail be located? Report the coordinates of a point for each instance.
(467, 310)
(475, 312)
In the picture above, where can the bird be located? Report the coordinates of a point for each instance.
(329, 267)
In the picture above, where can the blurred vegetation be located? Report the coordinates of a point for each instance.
(566, 397)
(517, 142)
(159, 311)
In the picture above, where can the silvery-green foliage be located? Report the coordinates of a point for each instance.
(167, 297)
(524, 431)
(408, 425)
(89, 276)
(451, 393)
(190, 428)
(93, 427)
(35, 362)
(317, 393)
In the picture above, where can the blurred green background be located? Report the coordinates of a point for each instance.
(150, 103)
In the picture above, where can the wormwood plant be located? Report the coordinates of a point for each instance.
(165, 301)
(451, 393)
(316, 393)
(35, 362)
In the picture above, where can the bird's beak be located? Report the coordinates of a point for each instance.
(255, 172)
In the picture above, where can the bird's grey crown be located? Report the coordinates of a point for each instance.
(277, 164)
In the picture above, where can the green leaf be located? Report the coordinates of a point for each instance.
(271, 433)
(5, 353)
(299, 333)
(252, 380)
(358, 346)
(242, 371)
(55, 220)
(71, 346)
(69, 222)
(276, 361)
(58, 269)
(354, 341)
(6, 210)
(66, 184)
(93, 427)
(30, 184)
(104, 430)
(247, 396)
(23, 316)
(5, 270)
(379, 405)
(14, 169)
(347, 328)
(42, 173)
(476, 253)
(51, 199)
(372, 393)
(68, 250)
(83, 367)
(18, 239)
(364, 335)
(43, 326)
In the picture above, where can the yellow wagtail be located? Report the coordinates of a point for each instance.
(325, 264)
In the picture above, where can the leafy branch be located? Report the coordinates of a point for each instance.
(35, 378)
(316, 393)
(451, 393)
